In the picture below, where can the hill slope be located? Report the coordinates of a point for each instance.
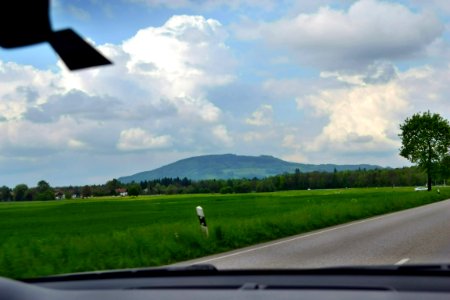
(228, 166)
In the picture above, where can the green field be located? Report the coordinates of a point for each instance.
(43, 238)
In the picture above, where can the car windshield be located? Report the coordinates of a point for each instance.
(243, 134)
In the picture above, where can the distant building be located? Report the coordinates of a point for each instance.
(122, 192)
(59, 195)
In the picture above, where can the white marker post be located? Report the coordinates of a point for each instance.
(201, 218)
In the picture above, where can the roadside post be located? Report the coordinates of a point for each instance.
(202, 220)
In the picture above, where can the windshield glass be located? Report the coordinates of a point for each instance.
(222, 125)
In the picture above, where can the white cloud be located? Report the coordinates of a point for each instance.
(377, 73)
(22, 87)
(76, 144)
(220, 132)
(428, 89)
(362, 117)
(261, 117)
(140, 139)
(22, 138)
(197, 109)
(76, 104)
(370, 30)
(289, 141)
(185, 55)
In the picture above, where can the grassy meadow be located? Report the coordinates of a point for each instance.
(44, 238)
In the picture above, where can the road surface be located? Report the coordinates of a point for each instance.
(413, 236)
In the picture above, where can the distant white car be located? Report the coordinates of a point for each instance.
(420, 188)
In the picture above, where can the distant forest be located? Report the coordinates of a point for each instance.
(410, 176)
(407, 176)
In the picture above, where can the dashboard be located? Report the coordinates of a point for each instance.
(206, 283)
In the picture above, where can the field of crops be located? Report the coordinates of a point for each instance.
(43, 238)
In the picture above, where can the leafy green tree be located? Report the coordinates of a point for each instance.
(444, 171)
(44, 196)
(112, 186)
(99, 190)
(44, 191)
(21, 192)
(68, 194)
(86, 191)
(158, 189)
(226, 190)
(134, 189)
(5, 193)
(42, 186)
(243, 187)
(264, 186)
(425, 142)
(172, 189)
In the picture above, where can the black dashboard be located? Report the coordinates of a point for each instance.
(206, 283)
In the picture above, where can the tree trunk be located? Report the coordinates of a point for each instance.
(429, 180)
(430, 166)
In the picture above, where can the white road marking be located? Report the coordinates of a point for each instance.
(294, 239)
(402, 261)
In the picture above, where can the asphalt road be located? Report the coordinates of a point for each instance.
(413, 236)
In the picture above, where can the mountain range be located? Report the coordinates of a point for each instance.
(231, 166)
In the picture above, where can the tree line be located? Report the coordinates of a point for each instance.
(407, 176)
(21, 192)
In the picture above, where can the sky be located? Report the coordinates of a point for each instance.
(326, 81)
